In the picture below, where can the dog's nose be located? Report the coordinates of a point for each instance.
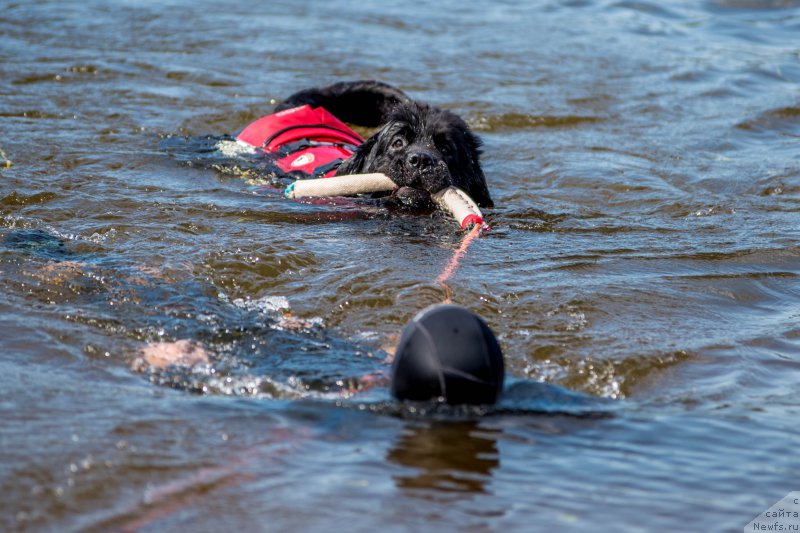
(419, 160)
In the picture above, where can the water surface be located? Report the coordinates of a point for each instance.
(644, 254)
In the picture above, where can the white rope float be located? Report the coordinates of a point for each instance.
(451, 199)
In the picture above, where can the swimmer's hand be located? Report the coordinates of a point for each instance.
(183, 352)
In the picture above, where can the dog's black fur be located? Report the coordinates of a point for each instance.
(422, 148)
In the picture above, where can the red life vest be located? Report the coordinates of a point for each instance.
(303, 139)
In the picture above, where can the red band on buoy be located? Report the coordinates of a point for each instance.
(471, 219)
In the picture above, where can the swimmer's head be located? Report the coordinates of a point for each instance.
(448, 352)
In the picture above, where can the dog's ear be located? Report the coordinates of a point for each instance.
(477, 188)
(479, 191)
(472, 175)
(360, 161)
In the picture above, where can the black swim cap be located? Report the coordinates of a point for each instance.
(447, 351)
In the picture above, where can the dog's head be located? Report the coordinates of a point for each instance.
(423, 149)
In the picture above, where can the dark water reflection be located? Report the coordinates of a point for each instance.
(447, 457)
(641, 272)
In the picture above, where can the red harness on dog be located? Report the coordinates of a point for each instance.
(303, 139)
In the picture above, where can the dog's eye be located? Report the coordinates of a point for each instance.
(398, 143)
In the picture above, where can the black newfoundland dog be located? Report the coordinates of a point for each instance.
(422, 148)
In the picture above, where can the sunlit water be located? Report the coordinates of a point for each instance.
(641, 271)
